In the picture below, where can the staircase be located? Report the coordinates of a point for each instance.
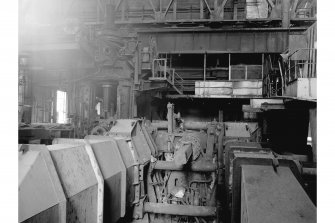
(162, 73)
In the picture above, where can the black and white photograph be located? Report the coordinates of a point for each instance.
(167, 111)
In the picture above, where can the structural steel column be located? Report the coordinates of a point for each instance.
(170, 118)
(123, 10)
(201, 9)
(175, 9)
(235, 10)
(313, 126)
(205, 65)
(285, 13)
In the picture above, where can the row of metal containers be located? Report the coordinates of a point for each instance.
(79, 180)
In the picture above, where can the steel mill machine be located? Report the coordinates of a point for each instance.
(164, 171)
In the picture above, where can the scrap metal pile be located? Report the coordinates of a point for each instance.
(164, 171)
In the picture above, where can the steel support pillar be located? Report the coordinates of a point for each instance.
(286, 13)
(313, 125)
(170, 109)
(108, 101)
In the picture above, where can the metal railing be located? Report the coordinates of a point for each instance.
(170, 10)
(177, 80)
(301, 64)
(159, 69)
(161, 72)
(305, 13)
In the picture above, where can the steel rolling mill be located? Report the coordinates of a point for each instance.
(170, 111)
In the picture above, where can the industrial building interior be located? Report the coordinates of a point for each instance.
(167, 111)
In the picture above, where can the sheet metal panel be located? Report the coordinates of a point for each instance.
(304, 88)
(130, 160)
(81, 178)
(248, 42)
(132, 128)
(113, 170)
(218, 40)
(224, 41)
(123, 127)
(260, 38)
(41, 195)
(73, 167)
(140, 144)
(114, 173)
(233, 42)
(267, 196)
(240, 129)
(247, 158)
